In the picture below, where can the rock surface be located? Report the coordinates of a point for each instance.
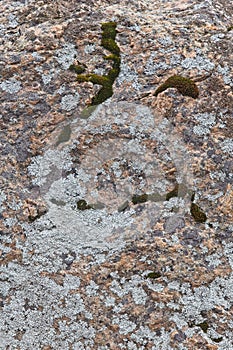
(99, 246)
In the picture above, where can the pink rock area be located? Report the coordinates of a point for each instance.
(116, 220)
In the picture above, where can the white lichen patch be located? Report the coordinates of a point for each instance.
(139, 296)
(43, 301)
(227, 146)
(152, 66)
(226, 73)
(92, 289)
(206, 122)
(127, 74)
(47, 78)
(143, 335)
(125, 325)
(213, 260)
(11, 85)
(90, 48)
(62, 191)
(219, 292)
(69, 102)
(199, 62)
(65, 56)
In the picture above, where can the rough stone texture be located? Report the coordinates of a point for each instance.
(73, 279)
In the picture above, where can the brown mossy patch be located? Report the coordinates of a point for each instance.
(180, 190)
(153, 275)
(197, 213)
(110, 45)
(139, 198)
(185, 86)
(78, 69)
(109, 30)
(204, 326)
(82, 205)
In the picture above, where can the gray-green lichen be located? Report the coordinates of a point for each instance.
(69, 102)
(11, 85)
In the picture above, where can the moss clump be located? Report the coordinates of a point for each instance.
(82, 205)
(104, 93)
(172, 193)
(109, 30)
(197, 213)
(141, 198)
(217, 340)
(185, 86)
(180, 190)
(110, 45)
(78, 69)
(93, 78)
(108, 42)
(115, 58)
(230, 28)
(204, 326)
(154, 275)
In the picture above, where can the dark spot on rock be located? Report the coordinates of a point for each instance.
(198, 215)
(154, 275)
(140, 198)
(82, 205)
(204, 326)
(180, 336)
(217, 340)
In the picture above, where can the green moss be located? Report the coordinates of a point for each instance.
(141, 198)
(154, 275)
(204, 326)
(110, 45)
(113, 74)
(185, 86)
(197, 213)
(82, 205)
(116, 59)
(93, 78)
(108, 42)
(109, 30)
(102, 95)
(77, 68)
(230, 28)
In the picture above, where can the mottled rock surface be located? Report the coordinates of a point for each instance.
(116, 221)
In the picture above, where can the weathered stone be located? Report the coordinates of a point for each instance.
(80, 277)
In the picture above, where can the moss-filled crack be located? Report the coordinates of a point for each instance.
(106, 81)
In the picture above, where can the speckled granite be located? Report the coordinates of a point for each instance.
(99, 245)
